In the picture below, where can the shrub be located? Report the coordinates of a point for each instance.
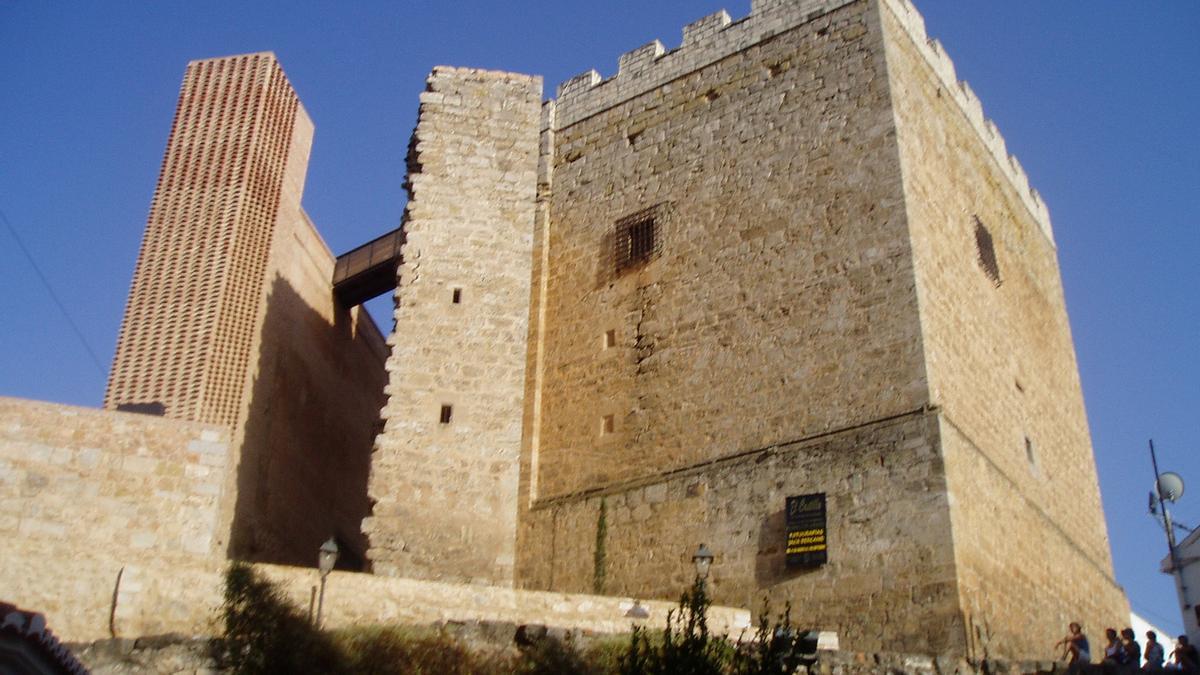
(551, 656)
(264, 634)
(776, 648)
(686, 647)
(388, 650)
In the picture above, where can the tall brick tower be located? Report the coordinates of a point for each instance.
(238, 149)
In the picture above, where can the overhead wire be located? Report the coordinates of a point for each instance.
(54, 296)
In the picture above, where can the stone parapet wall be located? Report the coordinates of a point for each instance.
(183, 597)
(89, 497)
(715, 37)
(414, 601)
(961, 93)
(444, 472)
(171, 654)
(705, 41)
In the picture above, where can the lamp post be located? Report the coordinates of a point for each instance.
(326, 558)
(702, 559)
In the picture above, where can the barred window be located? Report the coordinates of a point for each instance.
(636, 239)
(987, 252)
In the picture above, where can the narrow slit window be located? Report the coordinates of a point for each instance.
(1030, 453)
(610, 339)
(456, 296)
(986, 250)
(606, 425)
(447, 412)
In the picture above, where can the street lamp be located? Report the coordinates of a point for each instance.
(702, 559)
(326, 558)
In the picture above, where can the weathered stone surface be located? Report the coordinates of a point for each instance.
(816, 171)
(891, 560)
(1031, 546)
(183, 596)
(444, 473)
(97, 520)
(851, 289)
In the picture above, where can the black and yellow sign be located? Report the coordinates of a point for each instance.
(806, 544)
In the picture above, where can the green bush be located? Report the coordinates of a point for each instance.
(264, 634)
(551, 656)
(389, 650)
(776, 648)
(686, 647)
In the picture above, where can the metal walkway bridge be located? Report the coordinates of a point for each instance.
(369, 270)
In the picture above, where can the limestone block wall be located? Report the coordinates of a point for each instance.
(780, 304)
(184, 599)
(89, 499)
(415, 601)
(313, 396)
(1031, 541)
(705, 41)
(444, 473)
(890, 583)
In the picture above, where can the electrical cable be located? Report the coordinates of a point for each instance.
(54, 296)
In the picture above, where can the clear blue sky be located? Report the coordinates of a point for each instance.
(1099, 100)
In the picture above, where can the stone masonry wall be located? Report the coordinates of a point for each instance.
(781, 305)
(363, 600)
(93, 501)
(890, 581)
(705, 41)
(444, 473)
(313, 401)
(1031, 542)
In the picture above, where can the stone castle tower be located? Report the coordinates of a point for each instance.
(789, 257)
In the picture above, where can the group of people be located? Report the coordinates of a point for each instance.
(1122, 653)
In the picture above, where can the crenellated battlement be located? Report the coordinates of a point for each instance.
(704, 41)
(716, 36)
(962, 93)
